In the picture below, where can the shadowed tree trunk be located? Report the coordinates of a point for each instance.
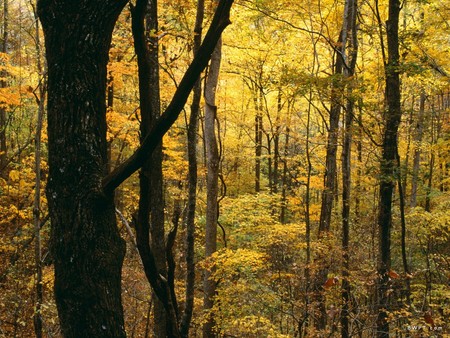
(86, 246)
(330, 182)
(418, 134)
(3, 146)
(37, 318)
(392, 118)
(151, 202)
(192, 178)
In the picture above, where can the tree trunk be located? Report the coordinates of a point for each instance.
(212, 184)
(417, 150)
(350, 48)
(392, 118)
(37, 189)
(3, 146)
(192, 181)
(150, 220)
(329, 189)
(86, 246)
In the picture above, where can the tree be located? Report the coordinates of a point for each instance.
(392, 118)
(4, 45)
(150, 218)
(87, 249)
(212, 183)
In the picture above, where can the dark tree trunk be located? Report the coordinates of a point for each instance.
(258, 135)
(392, 118)
(150, 220)
(151, 200)
(86, 246)
(418, 134)
(284, 179)
(37, 319)
(192, 181)
(3, 146)
(330, 182)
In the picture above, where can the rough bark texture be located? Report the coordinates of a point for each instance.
(212, 183)
(392, 120)
(86, 246)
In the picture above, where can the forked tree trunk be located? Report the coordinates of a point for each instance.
(86, 246)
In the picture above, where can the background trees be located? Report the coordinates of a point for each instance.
(275, 92)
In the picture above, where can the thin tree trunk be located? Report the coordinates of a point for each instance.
(3, 74)
(328, 192)
(258, 139)
(192, 178)
(284, 179)
(212, 184)
(37, 189)
(392, 118)
(150, 219)
(350, 47)
(417, 150)
(403, 233)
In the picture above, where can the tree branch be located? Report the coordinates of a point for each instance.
(132, 164)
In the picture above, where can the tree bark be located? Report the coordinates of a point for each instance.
(86, 246)
(392, 118)
(212, 184)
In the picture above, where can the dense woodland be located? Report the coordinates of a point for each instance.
(301, 187)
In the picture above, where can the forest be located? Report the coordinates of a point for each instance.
(220, 168)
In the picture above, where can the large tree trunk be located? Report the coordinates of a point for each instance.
(392, 120)
(86, 246)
